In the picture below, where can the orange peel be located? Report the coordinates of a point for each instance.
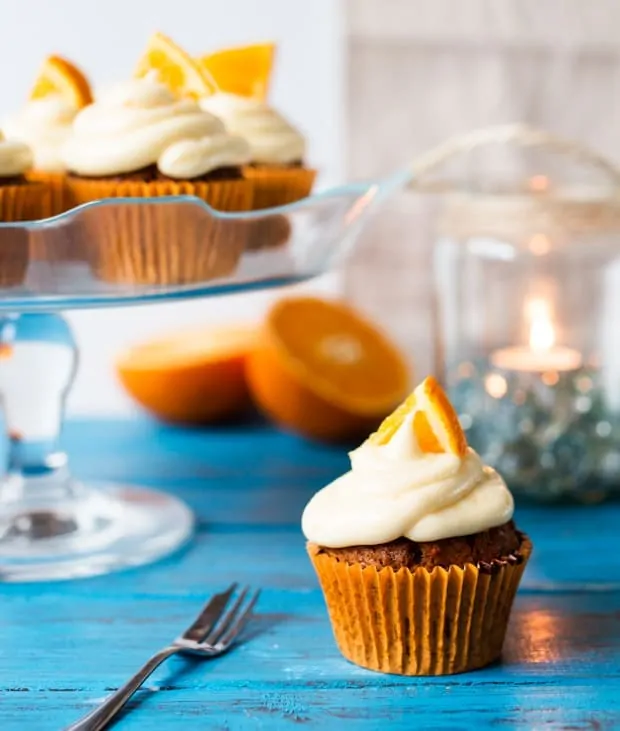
(245, 70)
(435, 423)
(59, 76)
(175, 68)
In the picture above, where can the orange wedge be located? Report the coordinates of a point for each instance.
(323, 371)
(194, 377)
(245, 70)
(59, 76)
(435, 422)
(175, 68)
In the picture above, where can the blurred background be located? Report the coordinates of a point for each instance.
(372, 83)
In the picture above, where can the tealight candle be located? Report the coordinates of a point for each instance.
(542, 354)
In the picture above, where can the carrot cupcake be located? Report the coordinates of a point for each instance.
(44, 123)
(277, 148)
(415, 547)
(138, 140)
(20, 200)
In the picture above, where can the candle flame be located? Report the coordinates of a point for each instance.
(539, 183)
(542, 334)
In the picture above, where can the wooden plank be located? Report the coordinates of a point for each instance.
(417, 706)
(272, 475)
(59, 658)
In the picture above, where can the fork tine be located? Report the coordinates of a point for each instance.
(210, 614)
(229, 637)
(227, 619)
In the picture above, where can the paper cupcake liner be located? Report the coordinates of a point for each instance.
(278, 185)
(66, 246)
(22, 202)
(60, 199)
(269, 232)
(163, 244)
(420, 622)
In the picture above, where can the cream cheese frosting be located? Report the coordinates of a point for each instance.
(272, 138)
(15, 157)
(45, 125)
(395, 490)
(140, 123)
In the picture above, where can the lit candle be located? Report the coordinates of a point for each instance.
(542, 354)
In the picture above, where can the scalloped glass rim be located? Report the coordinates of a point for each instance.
(320, 230)
(349, 189)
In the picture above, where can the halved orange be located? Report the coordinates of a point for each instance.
(322, 370)
(175, 68)
(435, 422)
(192, 377)
(60, 76)
(245, 70)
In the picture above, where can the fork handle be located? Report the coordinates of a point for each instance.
(103, 714)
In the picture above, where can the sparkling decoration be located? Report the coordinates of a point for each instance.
(550, 435)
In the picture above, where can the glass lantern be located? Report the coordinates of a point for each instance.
(527, 285)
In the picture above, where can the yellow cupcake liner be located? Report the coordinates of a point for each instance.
(155, 244)
(419, 622)
(278, 185)
(268, 232)
(22, 202)
(60, 199)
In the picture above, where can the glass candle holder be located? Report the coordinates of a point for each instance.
(527, 283)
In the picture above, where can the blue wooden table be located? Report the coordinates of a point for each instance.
(63, 647)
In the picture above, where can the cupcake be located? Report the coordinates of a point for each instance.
(277, 149)
(415, 547)
(44, 124)
(138, 140)
(20, 200)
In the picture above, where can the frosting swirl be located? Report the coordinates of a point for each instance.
(15, 157)
(272, 139)
(395, 490)
(140, 123)
(44, 124)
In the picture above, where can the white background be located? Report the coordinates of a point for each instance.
(106, 39)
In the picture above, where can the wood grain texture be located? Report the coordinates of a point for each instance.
(65, 646)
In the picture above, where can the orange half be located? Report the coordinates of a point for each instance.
(193, 377)
(175, 68)
(59, 76)
(321, 369)
(245, 70)
(435, 422)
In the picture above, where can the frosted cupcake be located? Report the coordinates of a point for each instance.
(20, 200)
(415, 547)
(277, 148)
(44, 123)
(140, 141)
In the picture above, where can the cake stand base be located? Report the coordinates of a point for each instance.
(90, 530)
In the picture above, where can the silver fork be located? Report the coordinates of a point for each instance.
(212, 634)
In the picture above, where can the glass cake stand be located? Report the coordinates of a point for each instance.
(123, 252)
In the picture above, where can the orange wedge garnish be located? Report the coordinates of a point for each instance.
(323, 371)
(175, 68)
(245, 70)
(59, 76)
(193, 377)
(435, 422)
